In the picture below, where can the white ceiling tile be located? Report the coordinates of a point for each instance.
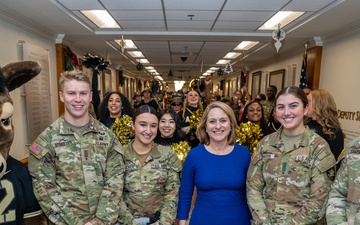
(193, 5)
(245, 16)
(137, 15)
(189, 25)
(307, 5)
(236, 26)
(143, 25)
(81, 4)
(198, 15)
(255, 5)
(132, 4)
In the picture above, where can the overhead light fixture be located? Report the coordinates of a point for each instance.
(223, 61)
(127, 43)
(232, 55)
(136, 54)
(144, 61)
(282, 17)
(246, 45)
(100, 18)
(149, 67)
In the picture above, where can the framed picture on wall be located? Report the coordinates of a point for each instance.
(255, 84)
(277, 79)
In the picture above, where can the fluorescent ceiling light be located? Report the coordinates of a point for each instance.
(128, 43)
(246, 45)
(282, 17)
(100, 18)
(144, 61)
(209, 71)
(136, 54)
(232, 55)
(223, 61)
(149, 67)
(214, 68)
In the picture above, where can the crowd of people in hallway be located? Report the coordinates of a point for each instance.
(299, 173)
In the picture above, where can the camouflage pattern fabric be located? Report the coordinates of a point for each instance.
(343, 206)
(150, 187)
(290, 186)
(268, 106)
(77, 179)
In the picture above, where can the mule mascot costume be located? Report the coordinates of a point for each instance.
(18, 204)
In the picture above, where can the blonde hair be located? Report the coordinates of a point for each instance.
(73, 75)
(186, 103)
(326, 113)
(201, 130)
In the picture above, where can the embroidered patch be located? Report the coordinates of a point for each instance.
(331, 173)
(35, 148)
(268, 156)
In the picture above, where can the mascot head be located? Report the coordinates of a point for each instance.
(12, 76)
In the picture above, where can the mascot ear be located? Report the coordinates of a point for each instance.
(18, 73)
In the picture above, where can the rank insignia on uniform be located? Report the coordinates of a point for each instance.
(331, 173)
(35, 148)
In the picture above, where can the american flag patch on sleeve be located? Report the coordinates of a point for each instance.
(35, 148)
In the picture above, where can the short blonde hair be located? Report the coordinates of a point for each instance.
(73, 75)
(201, 130)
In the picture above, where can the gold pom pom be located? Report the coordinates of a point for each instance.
(249, 135)
(181, 149)
(195, 118)
(123, 130)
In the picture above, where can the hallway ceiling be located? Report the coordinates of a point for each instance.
(164, 32)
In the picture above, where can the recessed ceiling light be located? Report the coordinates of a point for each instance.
(223, 61)
(246, 45)
(136, 54)
(100, 18)
(232, 55)
(282, 17)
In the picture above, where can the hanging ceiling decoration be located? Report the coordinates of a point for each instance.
(170, 74)
(228, 68)
(220, 72)
(278, 35)
(122, 44)
(139, 66)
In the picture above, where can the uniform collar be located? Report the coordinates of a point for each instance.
(92, 126)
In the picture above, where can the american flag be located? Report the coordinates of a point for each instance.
(303, 81)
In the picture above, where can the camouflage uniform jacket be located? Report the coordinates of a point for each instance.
(290, 186)
(150, 187)
(77, 179)
(268, 106)
(344, 197)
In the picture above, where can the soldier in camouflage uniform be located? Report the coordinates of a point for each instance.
(77, 163)
(151, 182)
(269, 103)
(291, 172)
(344, 197)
